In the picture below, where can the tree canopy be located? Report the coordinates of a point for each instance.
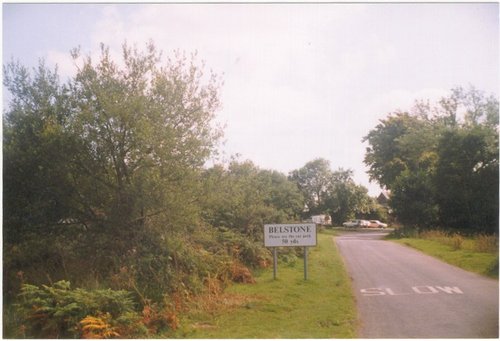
(333, 192)
(440, 162)
(104, 168)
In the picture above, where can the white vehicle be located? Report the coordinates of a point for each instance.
(377, 224)
(356, 223)
(322, 219)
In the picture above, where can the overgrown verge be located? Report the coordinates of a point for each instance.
(288, 307)
(58, 311)
(143, 298)
(476, 253)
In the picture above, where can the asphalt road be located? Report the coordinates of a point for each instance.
(403, 293)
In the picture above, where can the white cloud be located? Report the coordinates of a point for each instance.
(109, 29)
(65, 64)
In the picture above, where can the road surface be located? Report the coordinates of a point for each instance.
(402, 293)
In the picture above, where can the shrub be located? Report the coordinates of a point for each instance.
(456, 241)
(493, 268)
(240, 247)
(290, 259)
(404, 232)
(486, 243)
(59, 312)
(241, 274)
(157, 319)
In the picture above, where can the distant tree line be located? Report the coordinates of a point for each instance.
(334, 193)
(440, 162)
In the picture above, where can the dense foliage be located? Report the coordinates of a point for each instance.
(59, 312)
(105, 185)
(243, 197)
(100, 172)
(334, 193)
(440, 162)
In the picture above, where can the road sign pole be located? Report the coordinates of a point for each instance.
(305, 263)
(275, 262)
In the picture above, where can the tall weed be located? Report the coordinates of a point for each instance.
(436, 235)
(486, 243)
(456, 241)
(478, 243)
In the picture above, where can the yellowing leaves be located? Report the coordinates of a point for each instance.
(98, 327)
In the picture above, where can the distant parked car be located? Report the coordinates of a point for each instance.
(350, 223)
(377, 224)
(356, 223)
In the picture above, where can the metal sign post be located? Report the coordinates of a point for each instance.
(275, 261)
(305, 263)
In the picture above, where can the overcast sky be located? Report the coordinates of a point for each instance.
(301, 81)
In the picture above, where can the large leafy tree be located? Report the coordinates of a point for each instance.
(104, 169)
(331, 192)
(313, 180)
(144, 129)
(440, 162)
(36, 152)
(397, 143)
(37, 187)
(466, 179)
(349, 200)
(413, 200)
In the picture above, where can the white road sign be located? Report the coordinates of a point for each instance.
(290, 235)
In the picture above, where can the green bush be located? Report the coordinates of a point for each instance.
(289, 259)
(404, 232)
(238, 246)
(57, 311)
(493, 268)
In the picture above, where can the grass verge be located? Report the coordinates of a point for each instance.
(484, 263)
(288, 307)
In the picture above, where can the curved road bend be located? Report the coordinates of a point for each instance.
(403, 293)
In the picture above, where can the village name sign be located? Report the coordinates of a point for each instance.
(289, 235)
(286, 235)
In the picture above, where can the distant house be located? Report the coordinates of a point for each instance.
(383, 198)
(321, 219)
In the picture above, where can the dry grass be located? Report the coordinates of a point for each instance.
(480, 243)
(456, 241)
(486, 243)
(207, 307)
(215, 299)
(433, 235)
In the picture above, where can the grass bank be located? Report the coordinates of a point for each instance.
(476, 254)
(288, 307)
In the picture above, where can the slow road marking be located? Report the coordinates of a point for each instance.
(415, 290)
